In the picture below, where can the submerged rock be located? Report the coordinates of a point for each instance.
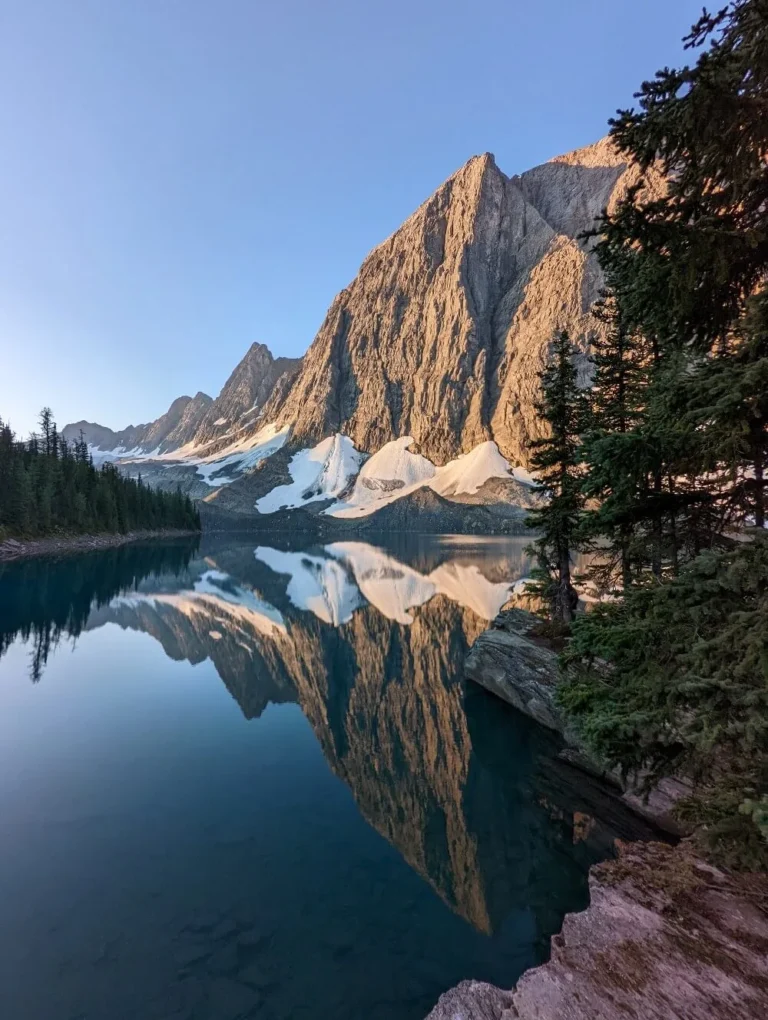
(665, 937)
(509, 662)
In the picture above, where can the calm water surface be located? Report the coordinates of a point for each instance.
(245, 780)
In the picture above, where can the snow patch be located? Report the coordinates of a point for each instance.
(100, 456)
(325, 471)
(321, 472)
(395, 472)
(391, 473)
(470, 471)
(521, 475)
(239, 456)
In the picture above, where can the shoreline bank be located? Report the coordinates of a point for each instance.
(666, 936)
(62, 545)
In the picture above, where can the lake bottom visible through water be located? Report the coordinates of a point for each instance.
(246, 780)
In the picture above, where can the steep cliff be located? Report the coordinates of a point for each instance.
(242, 398)
(444, 330)
(432, 353)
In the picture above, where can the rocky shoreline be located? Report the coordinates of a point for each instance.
(511, 662)
(61, 545)
(666, 936)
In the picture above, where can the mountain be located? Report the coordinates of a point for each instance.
(167, 432)
(244, 394)
(180, 419)
(425, 371)
(443, 331)
(198, 421)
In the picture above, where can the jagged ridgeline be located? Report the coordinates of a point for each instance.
(423, 376)
(50, 486)
(46, 600)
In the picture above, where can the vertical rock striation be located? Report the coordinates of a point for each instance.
(444, 330)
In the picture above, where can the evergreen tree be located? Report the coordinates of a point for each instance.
(617, 471)
(47, 430)
(557, 460)
(48, 487)
(688, 266)
(672, 676)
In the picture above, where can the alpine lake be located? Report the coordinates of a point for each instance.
(244, 779)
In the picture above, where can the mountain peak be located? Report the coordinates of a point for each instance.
(483, 160)
(443, 332)
(473, 173)
(602, 153)
(258, 348)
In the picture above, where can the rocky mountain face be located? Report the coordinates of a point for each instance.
(200, 420)
(443, 332)
(170, 430)
(163, 434)
(186, 426)
(440, 337)
(241, 401)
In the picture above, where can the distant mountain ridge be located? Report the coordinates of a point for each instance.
(160, 435)
(198, 420)
(430, 355)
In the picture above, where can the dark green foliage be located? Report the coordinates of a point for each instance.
(618, 468)
(671, 676)
(687, 267)
(557, 460)
(685, 262)
(726, 402)
(674, 678)
(49, 488)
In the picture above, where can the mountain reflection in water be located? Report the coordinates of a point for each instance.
(369, 642)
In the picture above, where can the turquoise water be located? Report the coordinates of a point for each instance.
(244, 781)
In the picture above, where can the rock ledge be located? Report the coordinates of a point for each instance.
(666, 937)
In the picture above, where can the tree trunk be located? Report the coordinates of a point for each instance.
(673, 534)
(566, 598)
(626, 566)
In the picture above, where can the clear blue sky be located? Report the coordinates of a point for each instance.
(179, 178)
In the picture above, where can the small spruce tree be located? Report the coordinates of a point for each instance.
(557, 460)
